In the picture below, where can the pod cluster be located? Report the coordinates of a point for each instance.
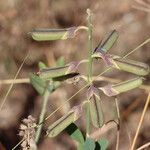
(70, 71)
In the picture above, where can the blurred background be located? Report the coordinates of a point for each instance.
(18, 18)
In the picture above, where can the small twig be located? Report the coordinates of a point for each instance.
(140, 122)
(17, 144)
(16, 81)
(144, 146)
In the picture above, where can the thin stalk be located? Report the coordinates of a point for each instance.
(90, 59)
(42, 115)
(17, 144)
(16, 81)
(11, 85)
(140, 122)
(144, 146)
(143, 43)
(118, 130)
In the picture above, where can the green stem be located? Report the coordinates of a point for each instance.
(42, 115)
(90, 59)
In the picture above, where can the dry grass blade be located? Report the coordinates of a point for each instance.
(140, 122)
(15, 81)
(144, 146)
(17, 144)
(10, 87)
(142, 44)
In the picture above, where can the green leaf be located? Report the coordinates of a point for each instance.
(89, 144)
(60, 62)
(80, 147)
(42, 65)
(103, 144)
(38, 83)
(75, 133)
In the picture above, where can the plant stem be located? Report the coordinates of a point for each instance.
(42, 115)
(90, 59)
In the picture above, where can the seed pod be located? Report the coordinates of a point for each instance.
(53, 34)
(64, 121)
(131, 66)
(107, 42)
(58, 72)
(95, 107)
(112, 90)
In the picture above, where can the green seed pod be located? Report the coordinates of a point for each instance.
(53, 34)
(107, 42)
(59, 73)
(112, 90)
(49, 73)
(131, 66)
(95, 107)
(64, 121)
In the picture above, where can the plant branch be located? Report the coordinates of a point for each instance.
(42, 115)
(90, 59)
